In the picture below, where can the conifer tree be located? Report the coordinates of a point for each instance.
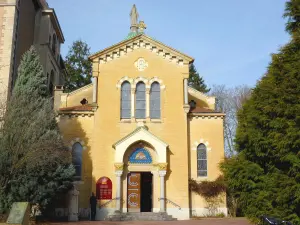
(265, 174)
(78, 66)
(196, 81)
(34, 163)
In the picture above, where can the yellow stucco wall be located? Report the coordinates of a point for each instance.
(208, 131)
(80, 129)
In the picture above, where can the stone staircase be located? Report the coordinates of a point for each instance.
(140, 216)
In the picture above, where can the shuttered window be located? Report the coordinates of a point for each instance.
(125, 100)
(155, 101)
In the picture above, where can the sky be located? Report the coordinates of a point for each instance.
(230, 40)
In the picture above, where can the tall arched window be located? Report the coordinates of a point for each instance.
(125, 100)
(54, 44)
(77, 159)
(51, 81)
(155, 101)
(201, 161)
(140, 101)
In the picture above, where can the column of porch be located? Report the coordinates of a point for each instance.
(119, 188)
(162, 175)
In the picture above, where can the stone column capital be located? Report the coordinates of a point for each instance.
(133, 90)
(162, 173)
(186, 108)
(119, 173)
(119, 166)
(162, 166)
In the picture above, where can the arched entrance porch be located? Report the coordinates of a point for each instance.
(140, 156)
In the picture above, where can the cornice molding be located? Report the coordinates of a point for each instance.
(73, 114)
(141, 42)
(206, 115)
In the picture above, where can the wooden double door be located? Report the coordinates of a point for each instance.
(139, 192)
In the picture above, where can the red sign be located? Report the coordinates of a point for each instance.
(104, 188)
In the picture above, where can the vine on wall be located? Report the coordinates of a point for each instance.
(210, 191)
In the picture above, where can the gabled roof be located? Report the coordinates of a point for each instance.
(138, 130)
(55, 23)
(141, 41)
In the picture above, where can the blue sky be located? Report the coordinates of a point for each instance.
(231, 40)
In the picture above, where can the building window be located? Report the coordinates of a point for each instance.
(140, 101)
(201, 161)
(51, 86)
(77, 159)
(104, 188)
(125, 100)
(155, 101)
(54, 44)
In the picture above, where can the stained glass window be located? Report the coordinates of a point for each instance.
(155, 101)
(77, 159)
(140, 101)
(201, 160)
(125, 100)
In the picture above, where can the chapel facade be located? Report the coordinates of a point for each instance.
(138, 133)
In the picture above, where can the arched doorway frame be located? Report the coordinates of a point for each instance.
(144, 169)
(160, 167)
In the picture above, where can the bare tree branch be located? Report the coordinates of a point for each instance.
(230, 101)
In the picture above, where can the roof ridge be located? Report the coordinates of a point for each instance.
(159, 44)
(136, 131)
(80, 89)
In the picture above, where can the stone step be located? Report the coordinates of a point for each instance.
(140, 216)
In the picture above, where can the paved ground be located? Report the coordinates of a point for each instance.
(212, 221)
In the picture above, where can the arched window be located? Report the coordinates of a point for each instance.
(51, 80)
(54, 44)
(77, 159)
(104, 188)
(140, 101)
(125, 100)
(155, 101)
(201, 160)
